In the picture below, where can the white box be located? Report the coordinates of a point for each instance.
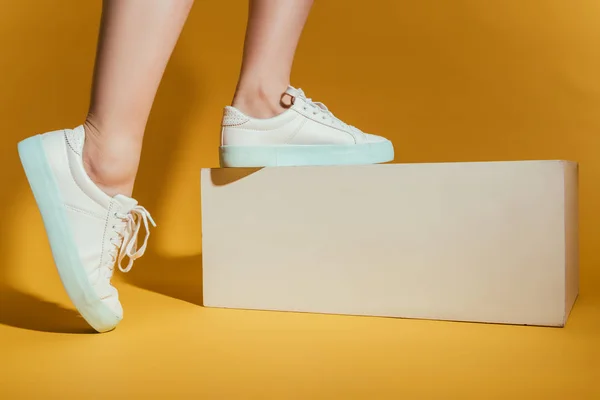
(489, 242)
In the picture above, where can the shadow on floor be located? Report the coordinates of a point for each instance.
(179, 278)
(22, 310)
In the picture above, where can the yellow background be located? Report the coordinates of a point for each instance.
(461, 80)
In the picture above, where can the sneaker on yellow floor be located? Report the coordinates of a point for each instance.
(307, 133)
(89, 231)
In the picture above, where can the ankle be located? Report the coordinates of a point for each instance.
(260, 101)
(108, 161)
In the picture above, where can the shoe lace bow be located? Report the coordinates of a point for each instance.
(126, 243)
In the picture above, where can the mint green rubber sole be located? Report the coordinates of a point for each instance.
(305, 155)
(62, 243)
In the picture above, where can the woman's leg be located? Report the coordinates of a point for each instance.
(82, 178)
(272, 35)
(136, 40)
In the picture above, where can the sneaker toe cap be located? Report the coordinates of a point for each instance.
(114, 305)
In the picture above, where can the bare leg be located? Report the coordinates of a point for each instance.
(272, 35)
(137, 38)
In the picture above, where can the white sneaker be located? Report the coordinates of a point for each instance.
(89, 231)
(305, 134)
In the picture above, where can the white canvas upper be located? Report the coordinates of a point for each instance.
(105, 229)
(304, 123)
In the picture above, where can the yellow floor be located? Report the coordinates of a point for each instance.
(170, 348)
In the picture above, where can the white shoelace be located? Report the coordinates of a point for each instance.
(318, 107)
(126, 244)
